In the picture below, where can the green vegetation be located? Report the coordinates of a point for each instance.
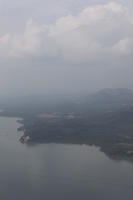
(104, 119)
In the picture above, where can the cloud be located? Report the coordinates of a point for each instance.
(98, 33)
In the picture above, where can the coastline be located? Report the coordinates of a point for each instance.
(29, 133)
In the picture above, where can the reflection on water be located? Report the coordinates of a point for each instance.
(58, 171)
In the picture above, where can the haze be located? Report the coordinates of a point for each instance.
(65, 46)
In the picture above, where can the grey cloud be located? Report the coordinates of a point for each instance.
(98, 32)
(74, 46)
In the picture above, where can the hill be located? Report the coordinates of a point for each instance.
(104, 119)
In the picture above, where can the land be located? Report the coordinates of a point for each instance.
(104, 119)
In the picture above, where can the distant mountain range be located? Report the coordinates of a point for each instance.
(108, 99)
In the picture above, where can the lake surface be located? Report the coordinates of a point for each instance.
(58, 171)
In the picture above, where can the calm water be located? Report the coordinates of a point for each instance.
(59, 172)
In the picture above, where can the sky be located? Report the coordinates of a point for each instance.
(65, 46)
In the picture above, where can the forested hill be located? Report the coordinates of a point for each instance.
(104, 119)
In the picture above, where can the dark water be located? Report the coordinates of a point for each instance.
(59, 172)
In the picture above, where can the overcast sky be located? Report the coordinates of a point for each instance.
(65, 46)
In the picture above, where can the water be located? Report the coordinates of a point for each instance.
(58, 171)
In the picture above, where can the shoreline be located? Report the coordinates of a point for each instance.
(110, 149)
